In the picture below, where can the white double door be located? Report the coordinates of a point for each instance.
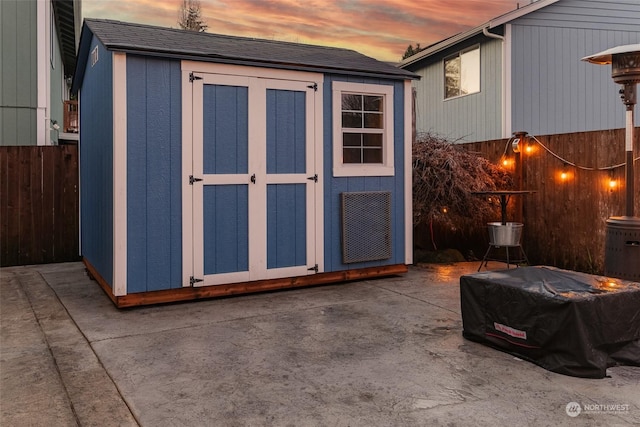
(250, 202)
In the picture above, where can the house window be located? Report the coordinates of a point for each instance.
(362, 129)
(462, 73)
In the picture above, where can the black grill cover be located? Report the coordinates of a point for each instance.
(567, 322)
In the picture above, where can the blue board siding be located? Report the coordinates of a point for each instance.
(225, 116)
(334, 186)
(96, 163)
(225, 151)
(154, 152)
(286, 225)
(286, 203)
(226, 229)
(286, 131)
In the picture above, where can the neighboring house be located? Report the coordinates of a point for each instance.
(37, 60)
(214, 165)
(523, 71)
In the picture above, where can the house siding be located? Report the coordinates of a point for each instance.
(96, 163)
(472, 117)
(587, 14)
(334, 186)
(19, 71)
(154, 197)
(553, 91)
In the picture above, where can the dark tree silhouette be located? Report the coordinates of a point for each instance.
(411, 51)
(190, 16)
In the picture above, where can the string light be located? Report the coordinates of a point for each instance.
(613, 182)
(564, 175)
(567, 162)
(527, 145)
(524, 145)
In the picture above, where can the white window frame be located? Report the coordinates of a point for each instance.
(444, 72)
(94, 56)
(386, 168)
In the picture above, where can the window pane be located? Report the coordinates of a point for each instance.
(352, 120)
(372, 155)
(351, 102)
(372, 140)
(470, 72)
(373, 120)
(373, 103)
(351, 155)
(452, 77)
(352, 139)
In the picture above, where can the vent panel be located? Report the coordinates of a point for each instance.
(366, 226)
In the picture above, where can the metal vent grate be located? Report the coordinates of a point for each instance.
(366, 226)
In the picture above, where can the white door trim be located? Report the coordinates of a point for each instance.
(119, 69)
(187, 169)
(257, 81)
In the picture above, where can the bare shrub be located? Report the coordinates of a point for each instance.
(444, 177)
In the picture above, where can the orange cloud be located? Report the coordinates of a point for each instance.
(379, 28)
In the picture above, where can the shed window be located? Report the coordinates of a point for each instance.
(363, 129)
(462, 73)
(94, 56)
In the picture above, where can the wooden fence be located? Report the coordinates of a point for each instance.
(565, 217)
(38, 204)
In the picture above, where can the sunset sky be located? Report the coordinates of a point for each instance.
(378, 28)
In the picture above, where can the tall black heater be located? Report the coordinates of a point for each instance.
(622, 241)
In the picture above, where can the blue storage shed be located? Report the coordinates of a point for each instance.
(214, 165)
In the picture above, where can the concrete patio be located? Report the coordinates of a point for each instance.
(386, 352)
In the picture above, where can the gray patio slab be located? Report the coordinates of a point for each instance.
(368, 353)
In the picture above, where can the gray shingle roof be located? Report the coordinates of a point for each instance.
(168, 42)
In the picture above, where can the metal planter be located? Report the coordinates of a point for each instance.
(505, 234)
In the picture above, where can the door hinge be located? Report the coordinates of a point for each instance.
(314, 268)
(313, 178)
(314, 87)
(192, 179)
(193, 77)
(193, 280)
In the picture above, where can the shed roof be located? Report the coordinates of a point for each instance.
(181, 44)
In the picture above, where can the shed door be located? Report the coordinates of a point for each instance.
(253, 149)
